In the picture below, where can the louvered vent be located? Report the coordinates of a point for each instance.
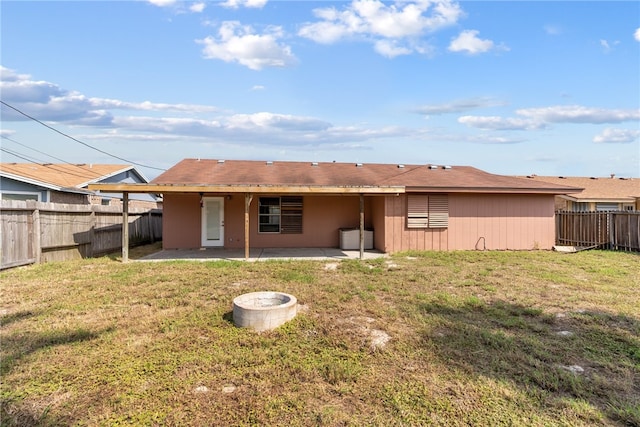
(428, 211)
(291, 215)
(417, 211)
(438, 211)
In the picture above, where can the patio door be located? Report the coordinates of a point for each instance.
(212, 221)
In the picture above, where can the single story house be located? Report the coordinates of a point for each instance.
(599, 194)
(68, 183)
(236, 204)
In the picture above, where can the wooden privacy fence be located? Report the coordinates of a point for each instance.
(35, 232)
(607, 230)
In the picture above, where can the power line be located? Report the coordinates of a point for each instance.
(16, 154)
(37, 151)
(41, 163)
(77, 140)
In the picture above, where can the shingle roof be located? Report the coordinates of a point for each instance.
(603, 188)
(203, 172)
(60, 175)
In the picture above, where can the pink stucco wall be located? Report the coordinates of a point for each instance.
(181, 221)
(476, 221)
(323, 217)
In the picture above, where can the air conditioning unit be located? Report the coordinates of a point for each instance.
(350, 239)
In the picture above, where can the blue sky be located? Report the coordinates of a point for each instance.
(510, 87)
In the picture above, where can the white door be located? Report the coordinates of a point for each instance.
(213, 221)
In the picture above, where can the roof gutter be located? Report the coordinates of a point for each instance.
(248, 188)
(499, 190)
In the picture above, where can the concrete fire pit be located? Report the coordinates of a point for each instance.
(263, 311)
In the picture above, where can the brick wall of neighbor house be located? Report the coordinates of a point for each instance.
(69, 198)
(477, 221)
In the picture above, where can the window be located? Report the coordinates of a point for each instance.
(605, 207)
(580, 207)
(24, 196)
(428, 211)
(280, 215)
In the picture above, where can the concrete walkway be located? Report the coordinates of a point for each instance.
(257, 254)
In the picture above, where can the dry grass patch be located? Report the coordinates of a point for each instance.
(482, 338)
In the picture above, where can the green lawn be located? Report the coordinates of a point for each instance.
(474, 338)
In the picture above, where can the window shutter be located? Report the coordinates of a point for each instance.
(428, 211)
(417, 211)
(438, 211)
(291, 215)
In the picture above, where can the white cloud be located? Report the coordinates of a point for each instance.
(197, 7)
(579, 114)
(235, 4)
(500, 123)
(540, 118)
(162, 3)
(468, 41)
(47, 101)
(606, 46)
(391, 49)
(458, 106)
(383, 25)
(258, 87)
(276, 121)
(180, 6)
(205, 123)
(636, 35)
(617, 136)
(238, 43)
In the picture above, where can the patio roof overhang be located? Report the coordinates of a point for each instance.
(248, 190)
(245, 188)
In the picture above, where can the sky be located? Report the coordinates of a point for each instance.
(509, 87)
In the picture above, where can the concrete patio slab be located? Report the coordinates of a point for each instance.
(259, 254)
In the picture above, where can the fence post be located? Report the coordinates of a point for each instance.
(125, 227)
(150, 224)
(92, 232)
(611, 230)
(37, 238)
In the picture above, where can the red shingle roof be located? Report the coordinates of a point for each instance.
(607, 188)
(197, 172)
(61, 175)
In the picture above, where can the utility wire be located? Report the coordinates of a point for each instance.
(37, 151)
(18, 155)
(77, 140)
(39, 162)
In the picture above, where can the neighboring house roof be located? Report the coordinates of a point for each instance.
(63, 176)
(191, 175)
(603, 189)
